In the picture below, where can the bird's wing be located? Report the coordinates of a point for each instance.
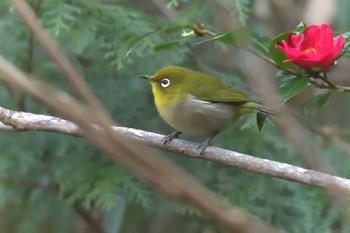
(226, 95)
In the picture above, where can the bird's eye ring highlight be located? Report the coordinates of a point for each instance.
(165, 82)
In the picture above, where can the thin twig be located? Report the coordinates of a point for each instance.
(323, 85)
(30, 52)
(324, 78)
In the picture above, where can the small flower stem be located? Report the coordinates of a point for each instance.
(325, 79)
(324, 85)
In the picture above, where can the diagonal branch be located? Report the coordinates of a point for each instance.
(24, 121)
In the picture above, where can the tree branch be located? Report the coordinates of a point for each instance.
(24, 121)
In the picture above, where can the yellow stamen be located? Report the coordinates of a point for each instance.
(310, 50)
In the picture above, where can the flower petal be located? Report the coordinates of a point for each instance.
(326, 39)
(315, 47)
(332, 56)
(312, 37)
(295, 41)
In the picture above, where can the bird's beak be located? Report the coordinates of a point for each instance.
(147, 77)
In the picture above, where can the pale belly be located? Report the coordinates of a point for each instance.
(196, 117)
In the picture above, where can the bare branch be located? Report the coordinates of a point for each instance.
(34, 122)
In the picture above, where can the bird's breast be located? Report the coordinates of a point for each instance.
(197, 117)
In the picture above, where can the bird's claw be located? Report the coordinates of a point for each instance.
(169, 137)
(204, 145)
(200, 149)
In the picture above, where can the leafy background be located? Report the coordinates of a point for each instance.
(48, 180)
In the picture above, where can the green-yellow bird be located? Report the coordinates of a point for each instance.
(197, 103)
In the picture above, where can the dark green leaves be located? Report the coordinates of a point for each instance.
(315, 103)
(166, 45)
(260, 120)
(346, 48)
(292, 87)
(260, 43)
(277, 55)
(300, 28)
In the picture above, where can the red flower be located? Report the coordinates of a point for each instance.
(314, 48)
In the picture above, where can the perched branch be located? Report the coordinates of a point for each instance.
(23, 121)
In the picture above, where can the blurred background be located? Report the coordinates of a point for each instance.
(56, 183)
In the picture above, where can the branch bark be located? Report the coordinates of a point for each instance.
(24, 121)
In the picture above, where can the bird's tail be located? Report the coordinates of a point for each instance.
(253, 106)
(266, 111)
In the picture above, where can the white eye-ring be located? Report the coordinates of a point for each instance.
(165, 82)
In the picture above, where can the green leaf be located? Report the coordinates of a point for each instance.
(317, 102)
(136, 41)
(260, 120)
(300, 28)
(166, 45)
(277, 55)
(347, 174)
(346, 49)
(239, 36)
(292, 87)
(260, 42)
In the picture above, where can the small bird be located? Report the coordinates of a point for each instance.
(196, 103)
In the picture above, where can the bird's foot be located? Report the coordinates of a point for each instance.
(201, 148)
(170, 137)
(203, 145)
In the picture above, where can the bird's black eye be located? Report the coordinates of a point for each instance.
(165, 82)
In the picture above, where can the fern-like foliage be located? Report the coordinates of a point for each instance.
(59, 16)
(241, 7)
(117, 27)
(174, 3)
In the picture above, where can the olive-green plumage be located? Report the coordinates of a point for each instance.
(197, 103)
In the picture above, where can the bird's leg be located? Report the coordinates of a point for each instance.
(205, 144)
(170, 136)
